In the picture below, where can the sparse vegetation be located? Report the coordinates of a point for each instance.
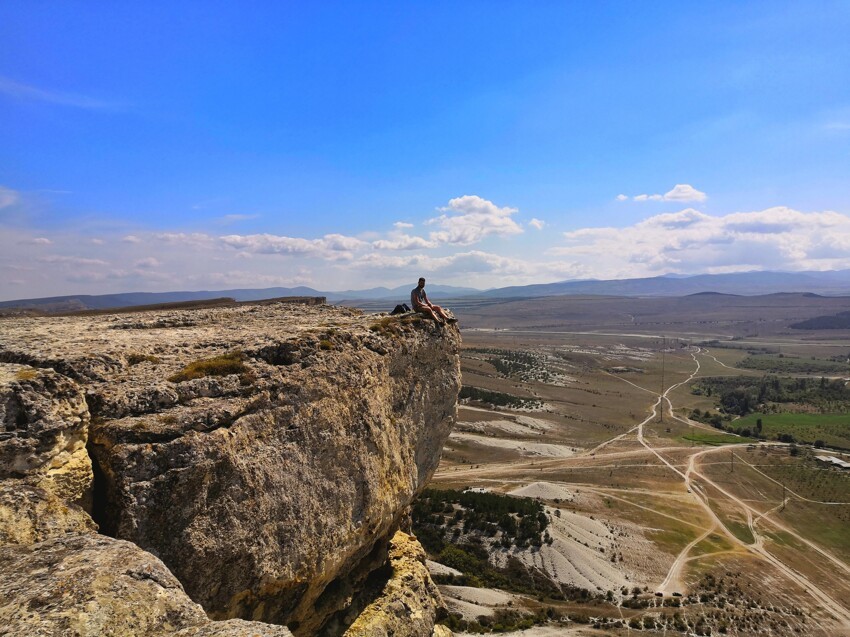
(503, 620)
(393, 325)
(461, 529)
(26, 374)
(134, 358)
(497, 398)
(741, 395)
(224, 365)
(782, 364)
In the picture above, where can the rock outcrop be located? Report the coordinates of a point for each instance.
(261, 457)
(407, 605)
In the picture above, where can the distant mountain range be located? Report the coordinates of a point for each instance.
(836, 282)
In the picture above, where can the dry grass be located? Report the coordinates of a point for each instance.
(134, 358)
(26, 374)
(224, 365)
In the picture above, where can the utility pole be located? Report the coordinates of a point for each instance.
(661, 402)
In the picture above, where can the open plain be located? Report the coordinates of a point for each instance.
(668, 522)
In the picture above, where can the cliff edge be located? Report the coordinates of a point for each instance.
(259, 457)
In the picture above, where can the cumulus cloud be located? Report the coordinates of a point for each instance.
(690, 241)
(470, 219)
(404, 242)
(537, 223)
(401, 225)
(131, 238)
(149, 262)
(684, 192)
(184, 238)
(40, 241)
(8, 197)
(679, 192)
(66, 260)
(331, 246)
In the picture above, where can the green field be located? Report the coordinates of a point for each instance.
(832, 429)
(705, 438)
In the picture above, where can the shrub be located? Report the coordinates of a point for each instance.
(224, 365)
(134, 358)
(26, 374)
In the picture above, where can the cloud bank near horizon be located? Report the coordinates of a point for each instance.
(471, 241)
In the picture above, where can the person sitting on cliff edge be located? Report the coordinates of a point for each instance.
(419, 301)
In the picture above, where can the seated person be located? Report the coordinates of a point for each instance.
(419, 301)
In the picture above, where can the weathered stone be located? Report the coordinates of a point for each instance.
(409, 603)
(88, 585)
(30, 514)
(270, 493)
(234, 628)
(43, 426)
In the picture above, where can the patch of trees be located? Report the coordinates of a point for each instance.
(508, 520)
(501, 621)
(462, 529)
(742, 395)
(793, 365)
(497, 398)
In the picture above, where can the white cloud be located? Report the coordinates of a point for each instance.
(131, 238)
(690, 241)
(684, 192)
(149, 262)
(401, 225)
(8, 197)
(41, 241)
(331, 246)
(473, 219)
(622, 197)
(97, 242)
(679, 192)
(185, 238)
(537, 223)
(72, 260)
(404, 242)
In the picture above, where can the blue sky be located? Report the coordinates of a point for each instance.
(161, 146)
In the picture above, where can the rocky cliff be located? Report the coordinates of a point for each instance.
(259, 457)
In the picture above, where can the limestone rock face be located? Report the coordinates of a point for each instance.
(29, 514)
(44, 421)
(87, 585)
(409, 603)
(266, 454)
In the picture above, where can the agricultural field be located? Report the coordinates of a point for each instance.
(649, 519)
(832, 430)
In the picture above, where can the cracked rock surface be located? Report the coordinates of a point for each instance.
(269, 487)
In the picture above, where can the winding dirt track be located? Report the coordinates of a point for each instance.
(714, 524)
(838, 610)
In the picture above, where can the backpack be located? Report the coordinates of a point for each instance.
(400, 309)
